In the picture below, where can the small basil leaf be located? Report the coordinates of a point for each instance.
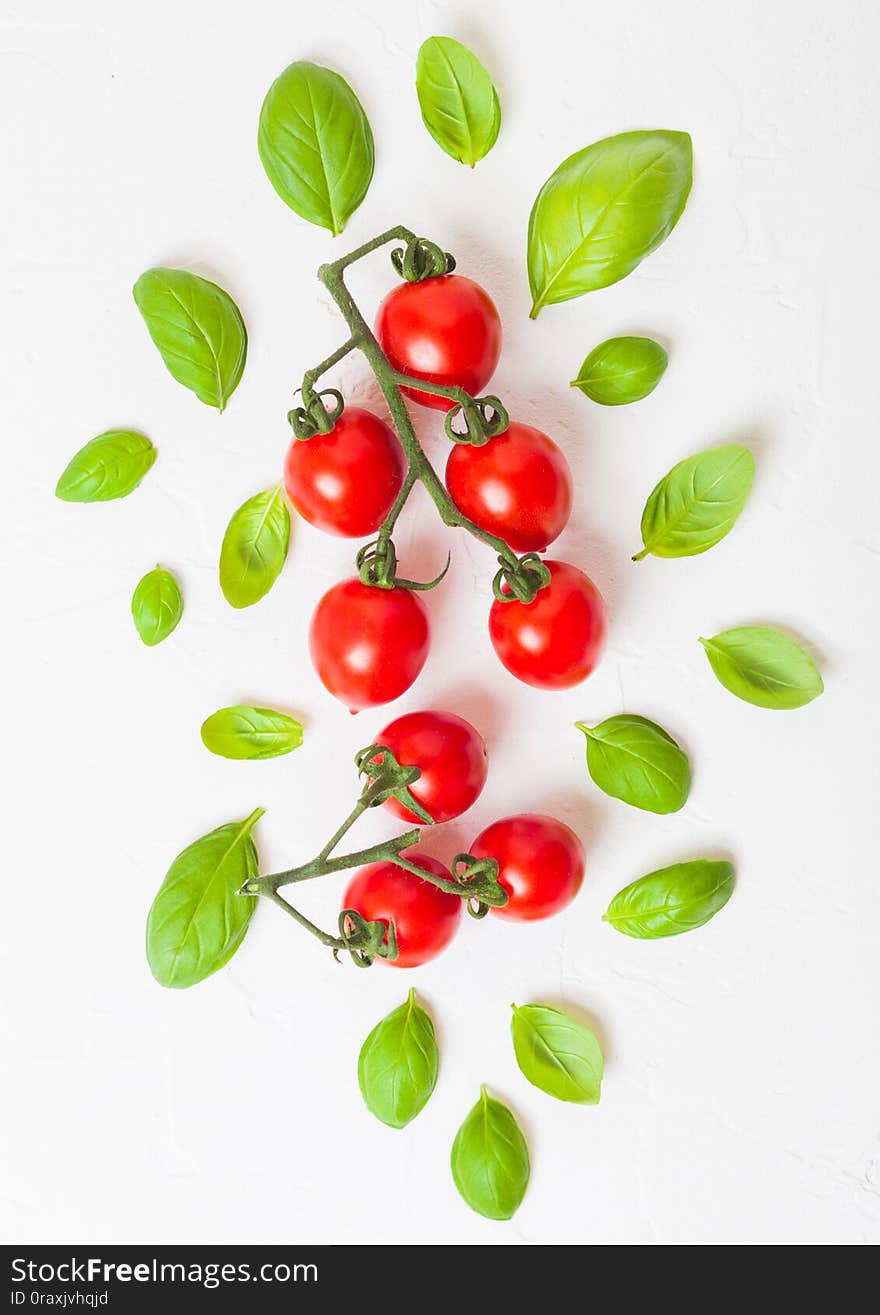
(109, 466)
(557, 1053)
(398, 1064)
(604, 210)
(490, 1160)
(458, 100)
(197, 920)
(254, 548)
(764, 667)
(672, 900)
(622, 370)
(198, 330)
(156, 606)
(635, 760)
(316, 144)
(697, 503)
(246, 732)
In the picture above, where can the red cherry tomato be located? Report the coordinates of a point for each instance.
(540, 864)
(345, 482)
(556, 640)
(452, 756)
(368, 644)
(444, 329)
(425, 917)
(517, 486)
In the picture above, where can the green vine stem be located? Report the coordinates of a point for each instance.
(483, 417)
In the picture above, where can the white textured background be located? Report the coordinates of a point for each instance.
(740, 1101)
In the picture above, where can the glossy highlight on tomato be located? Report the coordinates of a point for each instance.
(556, 640)
(368, 644)
(345, 482)
(540, 864)
(425, 917)
(443, 329)
(451, 755)
(517, 486)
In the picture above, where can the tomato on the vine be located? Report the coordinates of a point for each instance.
(540, 864)
(368, 644)
(445, 330)
(451, 755)
(425, 917)
(517, 486)
(345, 481)
(556, 640)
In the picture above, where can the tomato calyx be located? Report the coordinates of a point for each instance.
(522, 583)
(480, 887)
(483, 417)
(390, 779)
(315, 416)
(366, 940)
(376, 565)
(421, 259)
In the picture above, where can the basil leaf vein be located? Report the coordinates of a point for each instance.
(764, 667)
(254, 548)
(458, 100)
(557, 1053)
(637, 761)
(490, 1160)
(246, 732)
(198, 330)
(197, 920)
(107, 467)
(398, 1064)
(671, 900)
(316, 144)
(156, 606)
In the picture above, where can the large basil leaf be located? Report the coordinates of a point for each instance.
(764, 667)
(622, 370)
(156, 606)
(458, 100)
(197, 921)
(490, 1160)
(398, 1064)
(246, 732)
(198, 330)
(109, 466)
(671, 900)
(603, 210)
(635, 760)
(697, 503)
(316, 144)
(254, 548)
(557, 1053)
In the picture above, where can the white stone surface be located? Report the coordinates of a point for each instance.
(740, 1101)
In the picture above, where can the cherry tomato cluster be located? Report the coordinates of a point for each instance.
(540, 860)
(369, 643)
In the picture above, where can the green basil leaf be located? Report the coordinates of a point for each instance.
(254, 548)
(197, 921)
(490, 1160)
(603, 210)
(109, 466)
(198, 330)
(458, 100)
(671, 900)
(622, 370)
(316, 144)
(398, 1064)
(557, 1054)
(697, 503)
(247, 732)
(156, 606)
(764, 667)
(635, 760)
